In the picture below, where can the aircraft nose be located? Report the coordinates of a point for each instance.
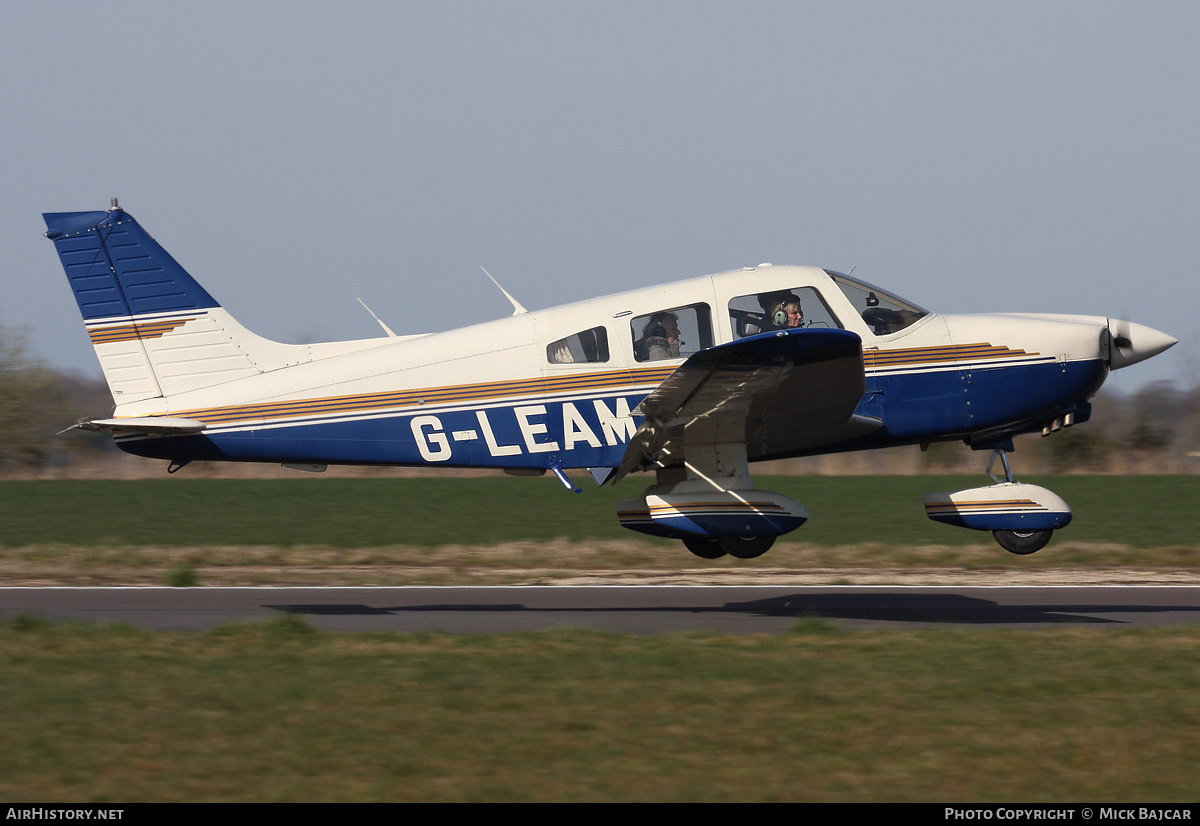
(1129, 343)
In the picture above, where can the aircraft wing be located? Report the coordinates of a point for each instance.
(777, 392)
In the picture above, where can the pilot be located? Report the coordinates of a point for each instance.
(787, 313)
(660, 338)
(783, 310)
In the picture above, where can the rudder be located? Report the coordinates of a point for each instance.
(116, 270)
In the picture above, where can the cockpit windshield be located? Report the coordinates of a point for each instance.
(883, 312)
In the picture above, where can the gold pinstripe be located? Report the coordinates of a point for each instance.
(366, 402)
(982, 506)
(360, 403)
(941, 353)
(136, 331)
(729, 507)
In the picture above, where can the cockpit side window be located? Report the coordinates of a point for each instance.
(669, 334)
(779, 310)
(583, 347)
(884, 313)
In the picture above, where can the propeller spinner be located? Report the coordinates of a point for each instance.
(1127, 343)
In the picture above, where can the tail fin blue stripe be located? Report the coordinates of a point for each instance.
(116, 269)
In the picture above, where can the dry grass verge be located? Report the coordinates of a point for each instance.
(628, 562)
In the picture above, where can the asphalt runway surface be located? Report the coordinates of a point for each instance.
(626, 609)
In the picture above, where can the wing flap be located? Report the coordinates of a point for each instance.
(776, 392)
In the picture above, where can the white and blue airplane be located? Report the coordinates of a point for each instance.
(691, 380)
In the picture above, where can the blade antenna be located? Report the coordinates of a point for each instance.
(386, 329)
(517, 308)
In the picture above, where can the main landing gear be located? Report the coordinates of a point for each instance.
(1021, 517)
(711, 504)
(742, 547)
(741, 522)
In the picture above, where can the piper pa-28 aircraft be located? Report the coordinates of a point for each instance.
(691, 380)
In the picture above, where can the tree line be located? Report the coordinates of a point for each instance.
(37, 403)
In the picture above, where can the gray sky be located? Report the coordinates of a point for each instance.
(971, 157)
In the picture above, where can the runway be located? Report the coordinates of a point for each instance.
(626, 609)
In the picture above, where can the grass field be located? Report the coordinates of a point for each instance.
(278, 712)
(497, 529)
(1140, 512)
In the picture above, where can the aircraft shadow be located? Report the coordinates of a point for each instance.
(899, 608)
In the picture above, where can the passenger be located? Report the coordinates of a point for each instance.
(660, 338)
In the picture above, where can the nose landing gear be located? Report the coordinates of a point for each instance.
(1021, 517)
(1022, 542)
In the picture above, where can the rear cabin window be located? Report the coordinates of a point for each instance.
(779, 310)
(671, 334)
(581, 348)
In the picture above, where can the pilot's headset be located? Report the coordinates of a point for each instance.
(779, 316)
(658, 328)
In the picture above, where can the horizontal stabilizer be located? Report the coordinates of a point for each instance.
(149, 425)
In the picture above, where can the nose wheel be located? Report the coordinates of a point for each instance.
(1022, 542)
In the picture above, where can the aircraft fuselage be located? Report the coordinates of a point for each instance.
(489, 395)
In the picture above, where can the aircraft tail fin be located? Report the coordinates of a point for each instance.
(116, 270)
(156, 331)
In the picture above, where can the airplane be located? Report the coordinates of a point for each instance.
(691, 380)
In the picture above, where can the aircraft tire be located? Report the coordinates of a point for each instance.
(705, 548)
(746, 547)
(1022, 542)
